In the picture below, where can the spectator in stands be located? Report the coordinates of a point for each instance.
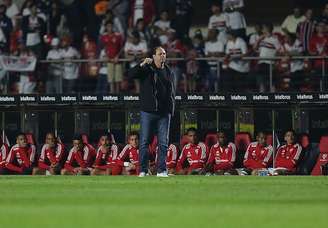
(71, 69)
(235, 76)
(12, 11)
(107, 153)
(192, 67)
(135, 49)
(213, 48)
(291, 22)
(143, 31)
(254, 37)
(120, 9)
(51, 157)
(55, 17)
(319, 45)
(55, 70)
(236, 19)
(306, 29)
(183, 18)
(27, 80)
(142, 9)
(233, 5)
(193, 155)
(113, 44)
(89, 70)
(324, 15)
(162, 27)
(219, 21)
(6, 28)
(117, 25)
(292, 68)
(268, 46)
(34, 28)
(288, 155)
(127, 161)
(258, 155)
(26, 9)
(21, 157)
(102, 81)
(80, 158)
(222, 156)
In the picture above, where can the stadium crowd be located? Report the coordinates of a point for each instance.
(215, 156)
(122, 29)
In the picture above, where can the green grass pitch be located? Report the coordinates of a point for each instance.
(179, 201)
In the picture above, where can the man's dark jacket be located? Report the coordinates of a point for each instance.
(147, 77)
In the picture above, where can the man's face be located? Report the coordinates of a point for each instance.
(104, 140)
(160, 56)
(109, 28)
(308, 14)
(21, 141)
(192, 137)
(50, 140)
(77, 144)
(164, 16)
(216, 9)
(289, 137)
(261, 138)
(212, 34)
(297, 12)
(2, 10)
(222, 139)
(134, 141)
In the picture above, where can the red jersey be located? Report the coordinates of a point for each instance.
(257, 156)
(222, 157)
(318, 46)
(50, 155)
(195, 155)
(20, 158)
(106, 158)
(171, 156)
(113, 44)
(287, 156)
(129, 153)
(3, 155)
(83, 158)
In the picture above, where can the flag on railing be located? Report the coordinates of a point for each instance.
(17, 64)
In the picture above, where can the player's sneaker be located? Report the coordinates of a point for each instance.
(143, 174)
(162, 174)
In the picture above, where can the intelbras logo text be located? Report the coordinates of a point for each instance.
(323, 96)
(238, 97)
(178, 97)
(27, 98)
(110, 98)
(260, 97)
(195, 97)
(216, 98)
(68, 98)
(304, 97)
(7, 99)
(282, 97)
(47, 98)
(89, 98)
(131, 98)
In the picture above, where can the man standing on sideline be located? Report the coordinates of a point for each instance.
(157, 101)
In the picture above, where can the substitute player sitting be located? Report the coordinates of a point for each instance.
(193, 155)
(21, 157)
(107, 153)
(287, 155)
(51, 157)
(222, 156)
(80, 158)
(127, 161)
(258, 154)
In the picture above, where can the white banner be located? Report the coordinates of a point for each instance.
(17, 64)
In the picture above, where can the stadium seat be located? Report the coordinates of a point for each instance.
(211, 139)
(242, 140)
(323, 156)
(30, 138)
